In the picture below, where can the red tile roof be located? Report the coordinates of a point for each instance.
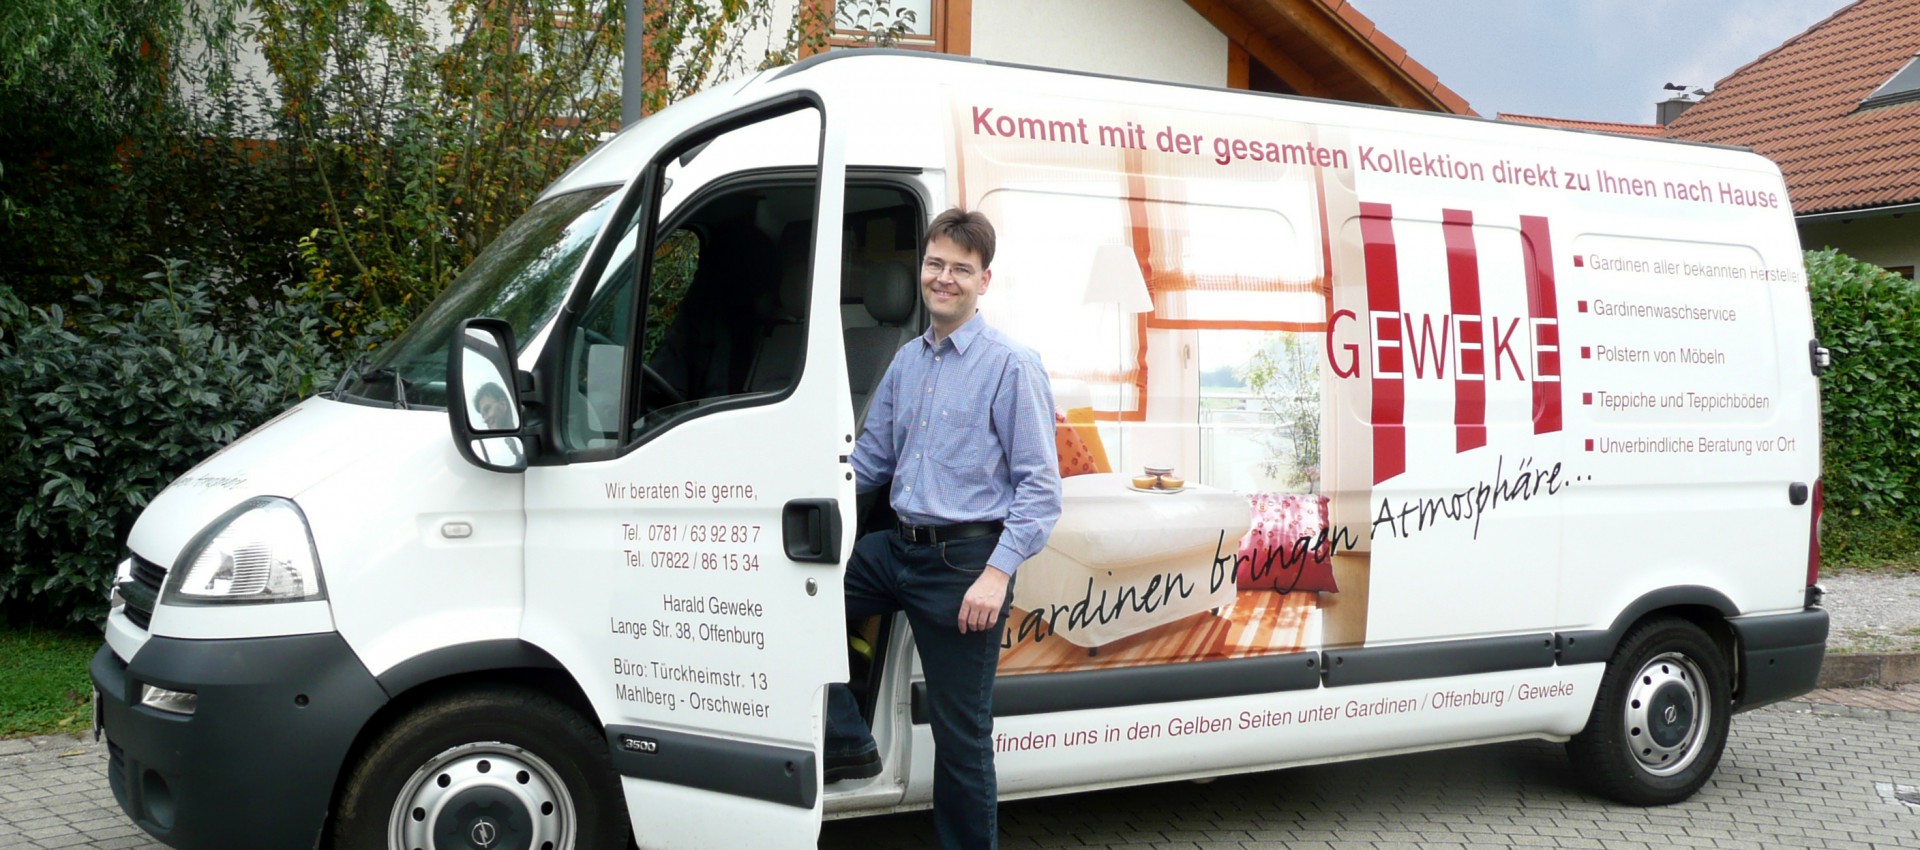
(1799, 105)
(1577, 124)
(1397, 56)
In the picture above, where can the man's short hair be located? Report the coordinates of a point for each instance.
(968, 229)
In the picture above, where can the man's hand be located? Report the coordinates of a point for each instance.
(980, 609)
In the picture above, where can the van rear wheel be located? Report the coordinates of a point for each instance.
(1660, 720)
(497, 768)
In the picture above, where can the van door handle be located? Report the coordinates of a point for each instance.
(811, 530)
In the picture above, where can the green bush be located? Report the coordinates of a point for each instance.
(314, 205)
(1870, 403)
(103, 404)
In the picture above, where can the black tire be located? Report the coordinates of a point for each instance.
(515, 762)
(1660, 720)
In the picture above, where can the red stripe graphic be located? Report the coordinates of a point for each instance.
(1543, 310)
(1383, 322)
(1469, 372)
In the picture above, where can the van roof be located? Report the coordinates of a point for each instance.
(816, 61)
(618, 160)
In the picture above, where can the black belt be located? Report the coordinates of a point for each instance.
(930, 534)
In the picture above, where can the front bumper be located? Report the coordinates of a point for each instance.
(256, 763)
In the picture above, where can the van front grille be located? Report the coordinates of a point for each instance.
(148, 576)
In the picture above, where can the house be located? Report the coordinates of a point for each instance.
(1318, 48)
(1838, 107)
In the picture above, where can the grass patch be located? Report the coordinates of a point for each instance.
(43, 681)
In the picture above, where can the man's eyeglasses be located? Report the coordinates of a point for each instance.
(961, 272)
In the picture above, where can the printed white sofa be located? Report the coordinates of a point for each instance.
(1121, 562)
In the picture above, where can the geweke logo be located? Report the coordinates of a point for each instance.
(1465, 345)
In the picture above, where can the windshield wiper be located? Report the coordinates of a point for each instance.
(351, 372)
(399, 384)
(381, 373)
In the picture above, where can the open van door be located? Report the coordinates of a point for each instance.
(684, 560)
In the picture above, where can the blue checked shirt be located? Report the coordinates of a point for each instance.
(964, 430)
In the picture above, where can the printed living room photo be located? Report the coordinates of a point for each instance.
(1193, 441)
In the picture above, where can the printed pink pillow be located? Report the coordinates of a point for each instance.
(1286, 550)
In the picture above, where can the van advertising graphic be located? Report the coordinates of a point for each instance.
(1340, 384)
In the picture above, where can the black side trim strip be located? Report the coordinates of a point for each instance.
(1372, 665)
(1780, 656)
(783, 775)
(1592, 647)
(464, 658)
(1044, 693)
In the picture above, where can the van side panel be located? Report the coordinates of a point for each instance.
(1440, 399)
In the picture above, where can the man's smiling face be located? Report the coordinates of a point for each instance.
(951, 283)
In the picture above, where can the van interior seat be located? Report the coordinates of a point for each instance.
(784, 347)
(891, 296)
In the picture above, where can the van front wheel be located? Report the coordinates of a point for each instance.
(488, 767)
(1660, 720)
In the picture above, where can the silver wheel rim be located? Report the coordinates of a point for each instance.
(483, 796)
(1667, 714)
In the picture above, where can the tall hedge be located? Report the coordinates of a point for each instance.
(1870, 401)
(104, 401)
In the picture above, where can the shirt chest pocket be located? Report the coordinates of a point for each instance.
(963, 442)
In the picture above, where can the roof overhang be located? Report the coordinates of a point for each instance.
(1861, 212)
(1327, 48)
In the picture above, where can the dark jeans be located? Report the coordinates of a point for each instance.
(888, 574)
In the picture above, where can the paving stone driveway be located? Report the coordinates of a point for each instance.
(1795, 775)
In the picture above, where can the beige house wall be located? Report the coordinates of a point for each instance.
(1151, 39)
(1881, 240)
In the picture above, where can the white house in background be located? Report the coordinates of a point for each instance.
(1319, 48)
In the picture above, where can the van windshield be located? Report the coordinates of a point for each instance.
(522, 277)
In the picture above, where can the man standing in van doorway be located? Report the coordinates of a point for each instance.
(962, 427)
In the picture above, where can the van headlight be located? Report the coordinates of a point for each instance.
(261, 551)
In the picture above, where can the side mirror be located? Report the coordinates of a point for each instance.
(482, 396)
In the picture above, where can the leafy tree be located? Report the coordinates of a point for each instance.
(1285, 375)
(427, 136)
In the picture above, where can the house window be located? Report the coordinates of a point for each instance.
(918, 24)
(1902, 87)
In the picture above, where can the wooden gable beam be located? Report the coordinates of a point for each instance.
(1387, 75)
(1239, 31)
(1377, 65)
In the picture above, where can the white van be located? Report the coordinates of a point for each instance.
(1381, 431)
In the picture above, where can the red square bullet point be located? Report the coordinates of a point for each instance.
(1589, 445)
(1583, 306)
(1586, 398)
(1586, 353)
(1579, 261)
